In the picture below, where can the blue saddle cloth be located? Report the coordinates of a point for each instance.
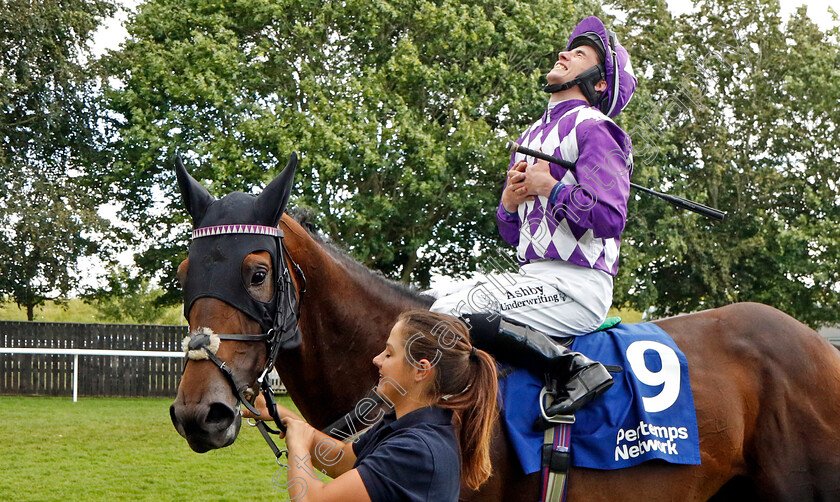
(647, 414)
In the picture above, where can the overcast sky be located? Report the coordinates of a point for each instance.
(110, 36)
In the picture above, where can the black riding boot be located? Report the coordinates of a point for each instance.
(512, 342)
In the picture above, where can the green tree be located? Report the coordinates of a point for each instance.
(127, 298)
(48, 131)
(399, 107)
(737, 110)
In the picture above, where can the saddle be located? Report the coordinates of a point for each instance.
(555, 456)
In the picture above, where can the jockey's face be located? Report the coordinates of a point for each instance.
(572, 63)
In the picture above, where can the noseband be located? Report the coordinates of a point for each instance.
(285, 334)
(203, 344)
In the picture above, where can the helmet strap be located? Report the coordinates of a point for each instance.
(587, 81)
(552, 88)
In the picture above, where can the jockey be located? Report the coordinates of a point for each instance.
(565, 224)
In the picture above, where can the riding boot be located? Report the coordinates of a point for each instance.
(513, 342)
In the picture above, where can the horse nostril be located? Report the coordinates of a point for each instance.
(220, 415)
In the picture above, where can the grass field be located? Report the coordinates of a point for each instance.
(77, 310)
(52, 449)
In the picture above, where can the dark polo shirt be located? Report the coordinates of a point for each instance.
(414, 458)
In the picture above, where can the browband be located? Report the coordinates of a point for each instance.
(236, 229)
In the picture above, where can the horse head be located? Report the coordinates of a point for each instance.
(238, 301)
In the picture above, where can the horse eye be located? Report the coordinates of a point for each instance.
(258, 278)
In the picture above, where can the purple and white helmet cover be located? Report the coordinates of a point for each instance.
(621, 81)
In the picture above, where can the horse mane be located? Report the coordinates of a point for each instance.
(305, 217)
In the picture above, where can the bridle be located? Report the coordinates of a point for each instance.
(284, 334)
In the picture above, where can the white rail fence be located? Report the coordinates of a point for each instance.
(88, 352)
(90, 359)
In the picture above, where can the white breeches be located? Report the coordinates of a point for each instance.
(555, 297)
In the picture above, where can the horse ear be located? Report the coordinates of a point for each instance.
(272, 201)
(196, 197)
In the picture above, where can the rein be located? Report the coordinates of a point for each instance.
(285, 333)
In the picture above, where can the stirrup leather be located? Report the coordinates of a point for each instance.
(556, 455)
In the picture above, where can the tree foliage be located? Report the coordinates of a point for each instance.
(737, 110)
(127, 298)
(399, 108)
(48, 131)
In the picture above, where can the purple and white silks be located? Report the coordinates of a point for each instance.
(581, 222)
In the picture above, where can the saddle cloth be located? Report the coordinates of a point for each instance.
(647, 414)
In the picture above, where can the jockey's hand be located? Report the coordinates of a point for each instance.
(515, 192)
(538, 179)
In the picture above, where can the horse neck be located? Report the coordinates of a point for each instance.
(346, 317)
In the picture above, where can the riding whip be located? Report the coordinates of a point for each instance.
(709, 212)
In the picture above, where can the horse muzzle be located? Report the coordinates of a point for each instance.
(206, 410)
(206, 427)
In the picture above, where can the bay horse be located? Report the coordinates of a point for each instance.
(766, 387)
